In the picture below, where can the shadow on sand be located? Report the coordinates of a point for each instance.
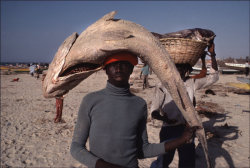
(218, 136)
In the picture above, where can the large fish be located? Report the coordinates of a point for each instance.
(79, 57)
(197, 34)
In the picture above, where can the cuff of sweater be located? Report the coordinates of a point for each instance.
(94, 160)
(162, 148)
(82, 155)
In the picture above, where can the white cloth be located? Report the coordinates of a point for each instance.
(162, 99)
(247, 65)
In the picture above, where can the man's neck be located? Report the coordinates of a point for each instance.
(119, 84)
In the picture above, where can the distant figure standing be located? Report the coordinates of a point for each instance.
(59, 103)
(247, 68)
(37, 71)
(144, 73)
(59, 108)
(32, 69)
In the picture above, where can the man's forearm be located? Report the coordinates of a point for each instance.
(214, 63)
(211, 50)
(170, 145)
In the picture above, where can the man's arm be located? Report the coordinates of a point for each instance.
(152, 150)
(211, 78)
(211, 50)
(214, 62)
(157, 101)
(81, 133)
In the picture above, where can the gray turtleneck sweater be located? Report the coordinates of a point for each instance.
(114, 120)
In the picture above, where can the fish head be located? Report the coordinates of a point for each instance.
(63, 74)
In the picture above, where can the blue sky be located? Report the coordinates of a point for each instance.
(32, 31)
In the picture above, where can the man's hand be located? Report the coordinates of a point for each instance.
(102, 164)
(211, 48)
(212, 55)
(156, 115)
(188, 133)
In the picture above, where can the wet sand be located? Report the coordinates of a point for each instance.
(30, 138)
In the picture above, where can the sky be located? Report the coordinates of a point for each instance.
(32, 31)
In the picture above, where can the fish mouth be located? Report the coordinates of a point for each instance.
(79, 68)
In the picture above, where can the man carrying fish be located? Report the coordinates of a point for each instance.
(173, 121)
(79, 56)
(114, 121)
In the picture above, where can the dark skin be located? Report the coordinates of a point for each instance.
(156, 115)
(118, 75)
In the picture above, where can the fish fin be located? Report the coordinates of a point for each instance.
(109, 16)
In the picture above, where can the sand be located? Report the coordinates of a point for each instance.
(30, 138)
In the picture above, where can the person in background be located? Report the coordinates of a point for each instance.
(113, 120)
(145, 71)
(59, 108)
(246, 68)
(37, 71)
(164, 108)
(59, 103)
(32, 69)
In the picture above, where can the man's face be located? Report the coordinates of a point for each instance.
(119, 73)
(183, 70)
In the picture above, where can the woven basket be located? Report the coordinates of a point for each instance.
(184, 50)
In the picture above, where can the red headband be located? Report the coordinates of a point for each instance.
(121, 57)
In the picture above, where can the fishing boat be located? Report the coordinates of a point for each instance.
(223, 70)
(240, 67)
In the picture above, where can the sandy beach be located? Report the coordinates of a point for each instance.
(30, 138)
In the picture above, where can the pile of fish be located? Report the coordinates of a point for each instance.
(197, 34)
(80, 56)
